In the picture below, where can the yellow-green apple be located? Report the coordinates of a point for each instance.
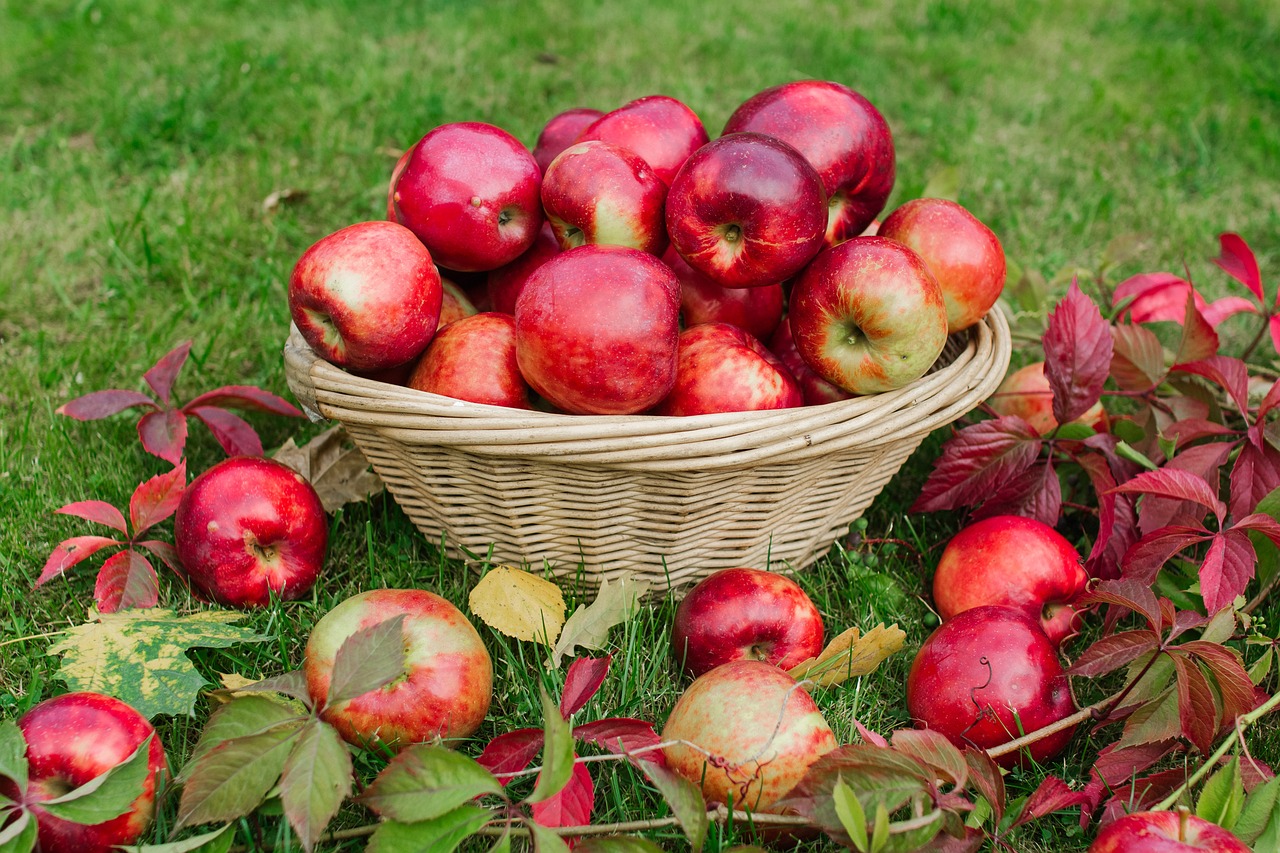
(597, 192)
(250, 528)
(1027, 394)
(841, 134)
(722, 368)
(470, 191)
(506, 282)
(746, 733)
(964, 255)
(746, 211)
(71, 740)
(813, 387)
(755, 310)
(454, 305)
(745, 614)
(1165, 832)
(597, 330)
(367, 297)
(1018, 562)
(868, 315)
(988, 676)
(474, 359)
(561, 131)
(396, 172)
(660, 129)
(446, 686)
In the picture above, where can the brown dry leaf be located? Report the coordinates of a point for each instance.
(519, 604)
(334, 466)
(851, 654)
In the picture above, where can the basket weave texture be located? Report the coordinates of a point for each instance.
(671, 499)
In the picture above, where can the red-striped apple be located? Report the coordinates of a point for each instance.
(561, 131)
(722, 368)
(599, 193)
(474, 359)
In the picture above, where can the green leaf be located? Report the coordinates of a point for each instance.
(292, 684)
(139, 656)
(557, 752)
(440, 834)
(852, 816)
(106, 796)
(1261, 809)
(13, 755)
(315, 781)
(503, 844)
(370, 658)
(1074, 431)
(217, 841)
(880, 833)
(1261, 668)
(545, 840)
(1155, 721)
(685, 800)
(1125, 450)
(425, 782)
(619, 844)
(1222, 797)
(19, 836)
(234, 777)
(242, 716)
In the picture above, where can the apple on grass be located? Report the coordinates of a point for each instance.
(746, 733)
(746, 211)
(813, 387)
(964, 255)
(597, 330)
(597, 192)
(470, 191)
(721, 368)
(988, 676)
(248, 529)
(868, 316)
(1015, 561)
(745, 614)
(72, 739)
(447, 684)
(1165, 832)
(367, 297)
(660, 129)
(842, 135)
(1027, 394)
(474, 359)
(755, 310)
(561, 131)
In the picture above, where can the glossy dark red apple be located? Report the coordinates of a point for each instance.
(842, 135)
(1165, 832)
(561, 131)
(745, 614)
(506, 282)
(597, 192)
(755, 310)
(454, 305)
(474, 359)
(813, 387)
(1015, 561)
(988, 676)
(722, 368)
(249, 528)
(660, 129)
(746, 210)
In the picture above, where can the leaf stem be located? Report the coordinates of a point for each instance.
(31, 637)
(1257, 338)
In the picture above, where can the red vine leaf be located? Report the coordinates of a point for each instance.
(1149, 554)
(1052, 795)
(1199, 340)
(1204, 461)
(1233, 682)
(70, 552)
(1236, 259)
(1228, 306)
(1229, 374)
(1198, 709)
(1273, 327)
(581, 682)
(1177, 484)
(1077, 354)
(126, 580)
(103, 404)
(977, 461)
(934, 750)
(157, 499)
(1137, 358)
(1035, 493)
(161, 376)
(623, 735)
(164, 434)
(511, 752)
(1113, 651)
(1255, 474)
(1141, 794)
(1130, 594)
(1227, 569)
(1117, 519)
(1156, 297)
(245, 397)
(97, 511)
(571, 805)
(233, 433)
(165, 551)
(987, 778)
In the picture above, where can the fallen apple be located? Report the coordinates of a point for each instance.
(1027, 394)
(1165, 832)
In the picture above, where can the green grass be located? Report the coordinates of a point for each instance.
(139, 140)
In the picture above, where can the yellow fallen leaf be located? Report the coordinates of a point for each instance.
(519, 604)
(849, 655)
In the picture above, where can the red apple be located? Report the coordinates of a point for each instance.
(746, 210)
(813, 387)
(1018, 562)
(454, 305)
(75, 738)
(470, 191)
(1027, 394)
(660, 129)
(868, 316)
(1165, 832)
(756, 310)
(447, 684)
(561, 131)
(249, 528)
(988, 676)
(721, 368)
(506, 282)
(396, 172)
(842, 135)
(597, 330)
(366, 298)
(963, 254)
(474, 359)
(600, 193)
(745, 614)
(760, 727)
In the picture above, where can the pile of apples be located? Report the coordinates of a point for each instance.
(630, 264)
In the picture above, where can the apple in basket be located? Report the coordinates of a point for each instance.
(597, 330)
(746, 211)
(597, 192)
(455, 304)
(756, 310)
(721, 368)
(474, 359)
(366, 297)
(813, 387)
(505, 283)
(842, 135)
(561, 131)
(868, 316)
(660, 129)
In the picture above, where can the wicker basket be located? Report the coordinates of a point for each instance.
(671, 499)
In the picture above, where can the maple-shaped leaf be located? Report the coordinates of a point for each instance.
(977, 461)
(589, 625)
(581, 682)
(1237, 260)
(1077, 355)
(572, 805)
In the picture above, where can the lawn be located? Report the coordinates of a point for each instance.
(142, 141)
